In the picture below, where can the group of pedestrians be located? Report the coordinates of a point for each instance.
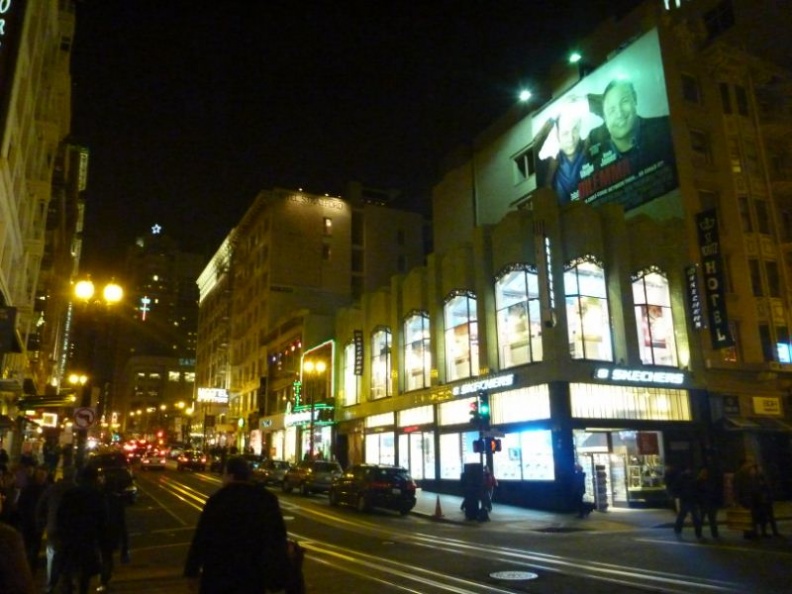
(77, 516)
(700, 496)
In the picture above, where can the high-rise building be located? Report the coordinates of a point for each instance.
(35, 105)
(291, 262)
(155, 348)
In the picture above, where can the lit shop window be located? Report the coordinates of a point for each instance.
(417, 356)
(461, 336)
(380, 363)
(653, 318)
(351, 390)
(526, 456)
(588, 320)
(519, 324)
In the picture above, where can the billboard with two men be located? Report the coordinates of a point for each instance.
(608, 139)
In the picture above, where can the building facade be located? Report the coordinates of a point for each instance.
(35, 105)
(611, 271)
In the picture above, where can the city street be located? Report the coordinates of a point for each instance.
(518, 551)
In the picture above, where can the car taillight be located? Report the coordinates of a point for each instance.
(380, 485)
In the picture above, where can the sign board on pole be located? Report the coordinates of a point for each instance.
(84, 417)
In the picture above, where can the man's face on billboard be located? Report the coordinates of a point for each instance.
(568, 134)
(620, 108)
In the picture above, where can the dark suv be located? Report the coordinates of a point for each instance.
(311, 476)
(366, 486)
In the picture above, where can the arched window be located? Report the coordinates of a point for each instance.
(461, 336)
(351, 381)
(588, 320)
(417, 354)
(653, 318)
(518, 315)
(380, 363)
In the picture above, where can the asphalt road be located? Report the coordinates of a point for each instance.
(382, 552)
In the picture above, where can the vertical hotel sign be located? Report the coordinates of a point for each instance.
(712, 273)
(358, 338)
(12, 17)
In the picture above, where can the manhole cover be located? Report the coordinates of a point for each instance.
(514, 575)
(559, 529)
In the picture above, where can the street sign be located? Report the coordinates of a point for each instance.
(84, 417)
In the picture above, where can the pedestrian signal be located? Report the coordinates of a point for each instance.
(478, 446)
(495, 445)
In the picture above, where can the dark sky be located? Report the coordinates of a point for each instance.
(191, 107)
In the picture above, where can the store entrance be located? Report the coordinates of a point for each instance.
(623, 467)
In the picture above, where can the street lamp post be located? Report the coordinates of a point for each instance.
(84, 291)
(313, 369)
(80, 382)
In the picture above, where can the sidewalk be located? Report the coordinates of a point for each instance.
(446, 508)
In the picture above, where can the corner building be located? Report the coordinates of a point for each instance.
(626, 312)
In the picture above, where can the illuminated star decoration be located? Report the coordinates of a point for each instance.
(156, 229)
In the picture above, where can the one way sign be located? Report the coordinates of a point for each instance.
(84, 417)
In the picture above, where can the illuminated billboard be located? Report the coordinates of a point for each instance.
(608, 139)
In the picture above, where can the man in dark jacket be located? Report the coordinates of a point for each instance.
(81, 524)
(685, 489)
(239, 546)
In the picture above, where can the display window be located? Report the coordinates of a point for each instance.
(531, 403)
(456, 450)
(461, 336)
(417, 352)
(380, 363)
(654, 319)
(526, 456)
(380, 448)
(588, 318)
(598, 401)
(518, 316)
(417, 454)
(351, 389)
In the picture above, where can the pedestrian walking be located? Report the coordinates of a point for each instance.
(29, 524)
(116, 535)
(709, 489)
(766, 513)
(747, 492)
(488, 489)
(81, 523)
(685, 490)
(15, 576)
(582, 508)
(47, 516)
(245, 518)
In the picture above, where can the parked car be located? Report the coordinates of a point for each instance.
(366, 486)
(108, 458)
(311, 476)
(271, 472)
(153, 460)
(191, 460)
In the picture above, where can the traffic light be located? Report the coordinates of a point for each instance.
(494, 445)
(484, 408)
(475, 417)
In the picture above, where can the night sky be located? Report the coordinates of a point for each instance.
(190, 108)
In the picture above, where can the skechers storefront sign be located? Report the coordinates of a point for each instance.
(499, 381)
(639, 376)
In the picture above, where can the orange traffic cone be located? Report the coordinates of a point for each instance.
(438, 510)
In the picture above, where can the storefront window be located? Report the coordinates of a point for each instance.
(417, 354)
(461, 336)
(417, 454)
(380, 363)
(588, 319)
(351, 389)
(653, 319)
(598, 401)
(380, 448)
(526, 456)
(456, 450)
(518, 316)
